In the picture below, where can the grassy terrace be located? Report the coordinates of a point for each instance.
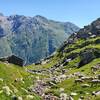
(82, 43)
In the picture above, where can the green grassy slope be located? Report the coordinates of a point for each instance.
(72, 61)
(69, 85)
(9, 73)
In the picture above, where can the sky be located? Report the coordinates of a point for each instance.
(80, 12)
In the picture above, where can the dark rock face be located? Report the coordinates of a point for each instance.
(88, 55)
(14, 60)
(97, 41)
(32, 38)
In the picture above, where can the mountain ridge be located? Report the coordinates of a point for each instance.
(25, 34)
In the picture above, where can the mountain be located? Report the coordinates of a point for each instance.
(32, 38)
(84, 44)
(74, 70)
(71, 73)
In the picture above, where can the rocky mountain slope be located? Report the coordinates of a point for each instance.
(32, 38)
(72, 73)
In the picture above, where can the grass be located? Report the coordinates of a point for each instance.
(70, 86)
(10, 72)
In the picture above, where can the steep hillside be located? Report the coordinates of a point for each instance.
(55, 76)
(71, 73)
(33, 38)
(74, 70)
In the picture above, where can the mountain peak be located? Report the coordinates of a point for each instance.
(39, 17)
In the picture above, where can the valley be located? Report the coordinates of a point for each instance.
(71, 73)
